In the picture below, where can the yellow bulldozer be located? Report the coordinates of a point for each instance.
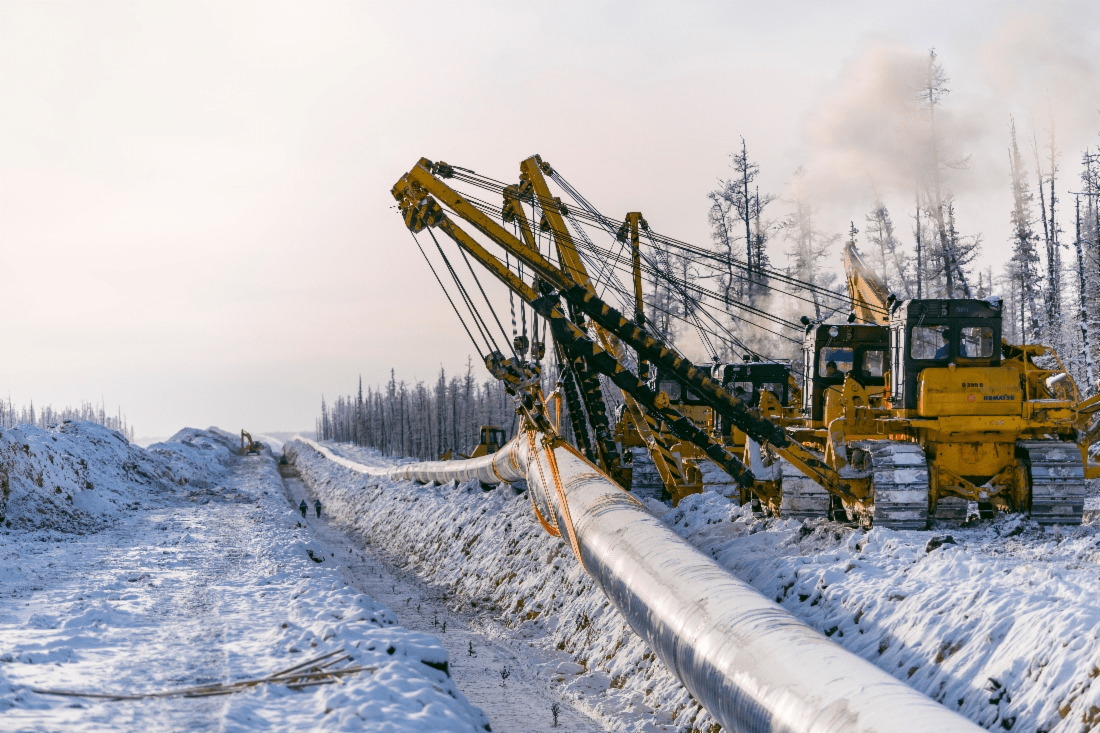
(928, 403)
(657, 462)
(675, 468)
(491, 439)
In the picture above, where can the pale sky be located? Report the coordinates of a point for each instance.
(195, 219)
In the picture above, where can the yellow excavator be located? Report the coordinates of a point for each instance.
(248, 446)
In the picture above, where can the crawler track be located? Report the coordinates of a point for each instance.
(803, 498)
(900, 480)
(1057, 481)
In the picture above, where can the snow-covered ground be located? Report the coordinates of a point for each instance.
(999, 622)
(127, 571)
(480, 649)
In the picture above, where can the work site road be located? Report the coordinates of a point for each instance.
(519, 704)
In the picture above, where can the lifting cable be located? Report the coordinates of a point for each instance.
(522, 305)
(591, 214)
(491, 210)
(651, 268)
(486, 297)
(689, 303)
(603, 264)
(609, 225)
(512, 300)
(479, 321)
(656, 272)
(601, 268)
(453, 306)
(605, 268)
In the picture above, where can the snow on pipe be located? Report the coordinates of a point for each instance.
(504, 466)
(753, 665)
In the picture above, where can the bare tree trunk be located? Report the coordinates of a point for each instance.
(748, 213)
(1086, 341)
(920, 264)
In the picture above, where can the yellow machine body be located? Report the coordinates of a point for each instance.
(490, 440)
(969, 391)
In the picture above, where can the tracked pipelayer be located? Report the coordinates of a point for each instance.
(750, 663)
(919, 412)
(942, 412)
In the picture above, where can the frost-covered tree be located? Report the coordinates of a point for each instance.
(945, 256)
(1082, 295)
(399, 419)
(48, 416)
(809, 249)
(736, 213)
(1051, 230)
(884, 253)
(1024, 265)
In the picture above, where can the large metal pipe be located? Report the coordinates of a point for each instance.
(754, 666)
(503, 467)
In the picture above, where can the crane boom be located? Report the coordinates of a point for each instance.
(414, 192)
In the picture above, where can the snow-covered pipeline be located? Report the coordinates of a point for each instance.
(753, 665)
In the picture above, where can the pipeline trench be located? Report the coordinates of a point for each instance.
(479, 647)
(978, 623)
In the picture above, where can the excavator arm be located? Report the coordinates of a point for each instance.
(868, 294)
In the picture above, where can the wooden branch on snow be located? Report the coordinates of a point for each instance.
(306, 674)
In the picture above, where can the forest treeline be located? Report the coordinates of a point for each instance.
(418, 419)
(1050, 284)
(47, 417)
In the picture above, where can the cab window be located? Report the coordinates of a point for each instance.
(834, 362)
(774, 387)
(976, 342)
(931, 342)
(874, 364)
(673, 390)
(742, 390)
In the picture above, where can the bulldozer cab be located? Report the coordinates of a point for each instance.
(492, 440)
(751, 378)
(683, 399)
(831, 352)
(949, 350)
(747, 381)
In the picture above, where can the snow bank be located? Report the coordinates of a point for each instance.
(213, 581)
(998, 622)
(72, 478)
(488, 549)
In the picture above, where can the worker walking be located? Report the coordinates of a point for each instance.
(317, 506)
(303, 509)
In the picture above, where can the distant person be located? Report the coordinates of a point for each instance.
(830, 369)
(317, 506)
(303, 508)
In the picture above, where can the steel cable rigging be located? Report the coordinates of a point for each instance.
(585, 212)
